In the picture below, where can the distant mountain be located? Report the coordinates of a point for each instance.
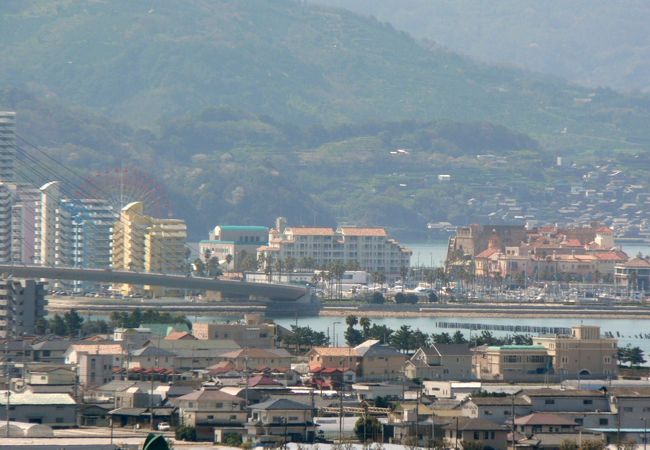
(590, 42)
(245, 110)
(293, 61)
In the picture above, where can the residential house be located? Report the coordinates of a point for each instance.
(370, 360)
(281, 420)
(512, 363)
(535, 423)
(464, 430)
(209, 409)
(440, 362)
(588, 408)
(497, 409)
(151, 357)
(258, 359)
(631, 404)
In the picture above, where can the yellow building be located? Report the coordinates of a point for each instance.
(143, 243)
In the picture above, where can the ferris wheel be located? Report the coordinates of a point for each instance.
(121, 186)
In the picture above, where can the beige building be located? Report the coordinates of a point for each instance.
(512, 363)
(210, 408)
(144, 243)
(582, 354)
(371, 247)
(370, 360)
(238, 241)
(258, 359)
(254, 332)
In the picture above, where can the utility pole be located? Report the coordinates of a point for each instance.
(512, 430)
(341, 417)
(417, 410)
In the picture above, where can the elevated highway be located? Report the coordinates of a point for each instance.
(276, 292)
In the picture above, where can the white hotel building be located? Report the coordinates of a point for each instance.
(371, 248)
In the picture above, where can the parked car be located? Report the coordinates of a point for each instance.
(163, 426)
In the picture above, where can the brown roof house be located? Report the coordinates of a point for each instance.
(209, 410)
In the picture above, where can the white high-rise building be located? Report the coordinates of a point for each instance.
(7, 145)
(25, 222)
(5, 222)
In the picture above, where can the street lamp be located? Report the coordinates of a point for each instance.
(334, 338)
(645, 432)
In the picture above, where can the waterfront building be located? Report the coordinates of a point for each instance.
(145, 243)
(254, 332)
(369, 248)
(22, 303)
(512, 363)
(634, 274)
(236, 241)
(582, 354)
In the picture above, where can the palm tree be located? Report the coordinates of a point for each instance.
(278, 268)
(365, 326)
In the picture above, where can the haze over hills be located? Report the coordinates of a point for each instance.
(248, 110)
(590, 42)
(293, 61)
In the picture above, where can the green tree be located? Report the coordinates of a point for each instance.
(421, 339)
(73, 322)
(402, 339)
(185, 433)
(459, 338)
(57, 326)
(40, 327)
(213, 268)
(198, 267)
(380, 332)
(441, 338)
(367, 428)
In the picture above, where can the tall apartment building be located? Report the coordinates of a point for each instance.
(46, 243)
(25, 222)
(582, 354)
(6, 200)
(145, 243)
(22, 303)
(370, 247)
(7, 145)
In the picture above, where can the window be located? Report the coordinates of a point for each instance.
(587, 402)
(603, 421)
(476, 436)
(549, 401)
(218, 405)
(579, 421)
(59, 420)
(210, 417)
(628, 409)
